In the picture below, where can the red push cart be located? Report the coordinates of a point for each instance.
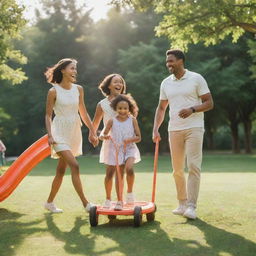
(137, 209)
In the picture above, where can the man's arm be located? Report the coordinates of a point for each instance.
(207, 104)
(159, 118)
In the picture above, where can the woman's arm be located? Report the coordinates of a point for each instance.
(51, 97)
(83, 111)
(97, 117)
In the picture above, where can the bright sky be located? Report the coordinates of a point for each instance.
(100, 7)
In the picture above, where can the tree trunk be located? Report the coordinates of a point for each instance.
(235, 137)
(209, 139)
(247, 136)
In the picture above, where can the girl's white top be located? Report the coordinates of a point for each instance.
(119, 132)
(66, 125)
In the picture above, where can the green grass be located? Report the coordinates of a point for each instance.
(225, 227)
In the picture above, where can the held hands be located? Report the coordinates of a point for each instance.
(93, 139)
(186, 112)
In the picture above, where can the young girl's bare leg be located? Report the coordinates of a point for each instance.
(110, 171)
(129, 174)
(119, 194)
(130, 179)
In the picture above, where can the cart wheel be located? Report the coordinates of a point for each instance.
(137, 216)
(151, 216)
(111, 217)
(93, 216)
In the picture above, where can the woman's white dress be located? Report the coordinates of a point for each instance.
(66, 125)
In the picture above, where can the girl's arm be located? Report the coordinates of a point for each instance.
(51, 97)
(105, 135)
(137, 137)
(85, 116)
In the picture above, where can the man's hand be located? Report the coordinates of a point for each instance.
(186, 112)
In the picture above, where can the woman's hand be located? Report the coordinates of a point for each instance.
(51, 140)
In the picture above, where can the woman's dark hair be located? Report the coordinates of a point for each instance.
(177, 53)
(107, 81)
(133, 108)
(54, 74)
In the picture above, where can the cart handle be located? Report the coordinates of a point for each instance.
(155, 170)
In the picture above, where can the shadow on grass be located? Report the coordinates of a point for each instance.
(13, 232)
(75, 242)
(150, 239)
(221, 240)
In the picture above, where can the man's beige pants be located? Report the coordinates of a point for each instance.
(187, 144)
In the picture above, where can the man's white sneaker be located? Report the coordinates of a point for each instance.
(130, 198)
(107, 203)
(190, 213)
(180, 210)
(88, 207)
(52, 207)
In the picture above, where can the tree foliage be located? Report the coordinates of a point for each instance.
(193, 21)
(11, 22)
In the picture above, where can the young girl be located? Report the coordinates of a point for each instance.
(111, 86)
(66, 99)
(123, 130)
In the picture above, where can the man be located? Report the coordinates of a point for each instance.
(188, 96)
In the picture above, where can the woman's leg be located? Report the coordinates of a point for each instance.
(110, 171)
(57, 181)
(73, 164)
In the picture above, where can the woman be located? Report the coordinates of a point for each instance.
(66, 99)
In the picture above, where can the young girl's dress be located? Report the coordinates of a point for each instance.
(119, 132)
(66, 125)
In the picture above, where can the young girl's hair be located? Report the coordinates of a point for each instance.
(54, 74)
(133, 108)
(107, 81)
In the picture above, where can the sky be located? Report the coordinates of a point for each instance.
(100, 8)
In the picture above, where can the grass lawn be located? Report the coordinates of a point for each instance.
(225, 227)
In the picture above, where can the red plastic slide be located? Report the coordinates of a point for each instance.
(22, 166)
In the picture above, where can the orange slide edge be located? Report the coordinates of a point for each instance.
(33, 155)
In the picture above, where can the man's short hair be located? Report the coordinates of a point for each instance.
(177, 53)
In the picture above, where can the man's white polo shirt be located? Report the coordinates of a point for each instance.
(184, 93)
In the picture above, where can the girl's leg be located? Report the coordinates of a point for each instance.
(110, 170)
(119, 197)
(73, 164)
(57, 181)
(129, 174)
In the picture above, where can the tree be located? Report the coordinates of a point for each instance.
(143, 66)
(194, 21)
(11, 22)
